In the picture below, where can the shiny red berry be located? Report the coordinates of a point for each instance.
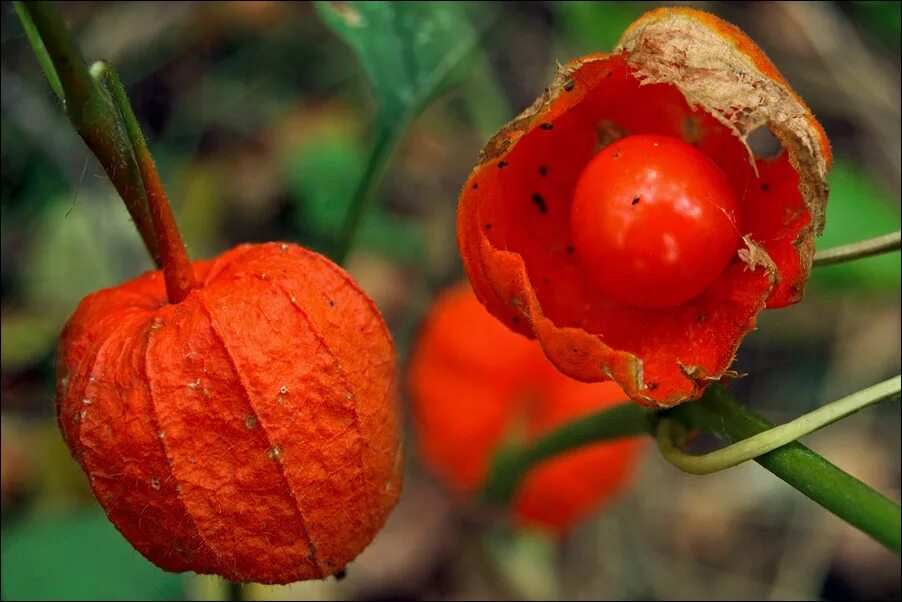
(654, 221)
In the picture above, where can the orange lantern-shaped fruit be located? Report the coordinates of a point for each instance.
(250, 430)
(477, 386)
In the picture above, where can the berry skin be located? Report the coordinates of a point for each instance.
(654, 221)
(249, 431)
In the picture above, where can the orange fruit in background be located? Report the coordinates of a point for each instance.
(249, 431)
(476, 386)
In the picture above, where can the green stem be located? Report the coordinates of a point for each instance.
(671, 435)
(177, 270)
(78, 88)
(387, 140)
(391, 130)
(104, 74)
(859, 250)
(91, 111)
(717, 412)
(511, 466)
(840, 493)
(37, 44)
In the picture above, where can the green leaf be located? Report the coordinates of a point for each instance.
(857, 209)
(26, 338)
(411, 52)
(394, 236)
(79, 557)
(596, 26)
(80, 246)
(525, 561)
(881, 19)
(322, 178)
(485, 100)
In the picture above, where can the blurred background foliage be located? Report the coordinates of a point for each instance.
(266, 118)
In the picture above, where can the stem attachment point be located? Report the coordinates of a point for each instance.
(177, 270)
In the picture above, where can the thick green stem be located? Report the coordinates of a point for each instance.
(717, 412)
(91, 111)
(671, 435)
(177, 270)
(840, 493)
(859, 250)
(512, 465)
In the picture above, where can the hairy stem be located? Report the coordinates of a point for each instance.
(177, 270)
(858, 250)
(90, 109)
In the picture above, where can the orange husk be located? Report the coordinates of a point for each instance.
(678, 72)
(250, 431)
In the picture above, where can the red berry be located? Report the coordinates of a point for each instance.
(654, 221)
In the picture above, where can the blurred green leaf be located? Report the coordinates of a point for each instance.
(397, 237)
(79, 557)
(881, 19)
(596, 26)
(486, 101)
(38, 178)
(857, 209)
(410, 52)
(524, 560)
(26, 338)
(322, 176)
(80, 246)
(197, 192)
